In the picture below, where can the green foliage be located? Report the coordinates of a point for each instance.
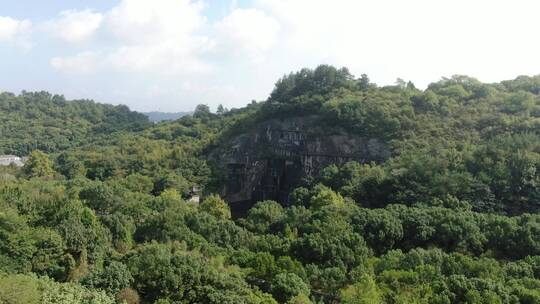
(324, 196)
(289, 285)
(128, 296)
(365, 291)
(70, 166)
(24, 248)
(299, 299)
(215, 206)
(41, 121)
(167, 271)
(29, 289)
(323, 80)
(19, 289)
(39, 165)
(379, 115)
(112, 278)
(447, 212)
(263, 216)
(73, 293)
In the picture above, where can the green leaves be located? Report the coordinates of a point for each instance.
(215, 206)
(39, 165)
(40, 121)
(445, 213)
(168, 271)
(365, 291)
(30, 289)
(112, 278)
(321, 81)
(288, 285)
(263, 217)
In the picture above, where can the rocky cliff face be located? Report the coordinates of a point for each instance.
(270, 160)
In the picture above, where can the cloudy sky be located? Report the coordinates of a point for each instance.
(170, 55)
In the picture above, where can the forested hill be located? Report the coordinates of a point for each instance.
(41, 121)
(163, 116)
(459, 138)
(449, 215)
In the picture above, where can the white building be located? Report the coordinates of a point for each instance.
(194, 195)
(6, 160)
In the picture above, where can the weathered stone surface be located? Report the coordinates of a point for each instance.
(270, 160)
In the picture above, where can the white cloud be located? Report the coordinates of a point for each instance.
(82, 63)
(418, 40)
(238, 57)
(250, 30)
(143, 21)
(75, 26)
(157, 36)
(15, 31)
(169, 57)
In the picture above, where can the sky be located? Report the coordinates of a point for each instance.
(170, 55)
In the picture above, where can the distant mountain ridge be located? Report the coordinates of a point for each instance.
(156, 116)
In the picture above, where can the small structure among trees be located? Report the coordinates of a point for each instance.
(6, 160)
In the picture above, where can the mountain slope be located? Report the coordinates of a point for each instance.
(459, 138)
(50, 123)
(384, 195)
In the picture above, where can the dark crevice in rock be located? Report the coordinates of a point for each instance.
(268, 162)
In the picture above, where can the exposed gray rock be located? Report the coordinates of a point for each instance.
(268, 161)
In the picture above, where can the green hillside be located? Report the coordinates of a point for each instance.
(105, 211)
(50, 123)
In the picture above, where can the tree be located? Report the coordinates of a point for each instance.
(300, 299)
(288, 285)
(321, 81)
(50, 257)
(69, 166)
(381, 229)
(67, 293)
(100, 197)
(363, 82)
(30, 289)
(172, 181)
(39, 165)
(129, 296)
(214, 205)
(202, 111)
(113, 278)
(263, 216)
(170, 272)
(221, 110)
(324, 196)
(19, 289)
(365, 291)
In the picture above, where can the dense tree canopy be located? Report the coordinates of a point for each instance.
(101, 213)
(41, 121)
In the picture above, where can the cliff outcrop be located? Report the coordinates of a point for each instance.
(268, 161)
